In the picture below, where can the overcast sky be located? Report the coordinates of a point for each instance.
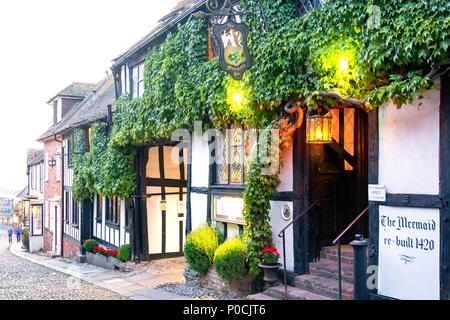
(46, 45)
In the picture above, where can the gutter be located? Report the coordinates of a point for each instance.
(62, 198)
(158, 33)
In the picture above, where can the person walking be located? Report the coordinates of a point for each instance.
(10, 232)
(18, 234)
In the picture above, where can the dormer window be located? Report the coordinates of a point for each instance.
(58, 111)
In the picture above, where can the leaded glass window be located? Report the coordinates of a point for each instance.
(235, 154)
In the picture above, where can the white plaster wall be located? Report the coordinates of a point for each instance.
(278, 222)
(36, 243)
(409, 146)
(200, 161)
(199, 203)
(286, 172)
(232, 231)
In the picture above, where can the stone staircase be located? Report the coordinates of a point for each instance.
(322, 281)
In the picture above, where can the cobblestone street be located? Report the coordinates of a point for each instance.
(23, 280)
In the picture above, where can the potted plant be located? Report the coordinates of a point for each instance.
(89, 246)
(270, 264)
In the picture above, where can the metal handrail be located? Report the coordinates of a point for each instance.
(338, 241)
(283, 234)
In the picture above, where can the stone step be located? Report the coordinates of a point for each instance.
(293, 294)
(345, 258)
(329, 269)
(324, 286)
(261, 296)
(52, 254)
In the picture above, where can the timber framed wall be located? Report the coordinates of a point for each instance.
(409, 154)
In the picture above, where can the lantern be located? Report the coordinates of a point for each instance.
(318, 129)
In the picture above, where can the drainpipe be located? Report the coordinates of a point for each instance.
(62, 197)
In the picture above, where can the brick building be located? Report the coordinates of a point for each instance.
(62, 103)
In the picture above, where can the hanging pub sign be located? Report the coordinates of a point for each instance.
(232, 36)
(234, 56)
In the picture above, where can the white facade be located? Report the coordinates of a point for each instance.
(409, 246)
(199, 198)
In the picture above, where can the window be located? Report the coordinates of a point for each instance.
(75, 212)
(58, 168)
(69, 152)
(137, 81)
(46, 166)
(59, 111)
(87, 135)
(36, 222)
(113, 210)
(228, 209)
(99, 208)
(235, 154)
(66, 206)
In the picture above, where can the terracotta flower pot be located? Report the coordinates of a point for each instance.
(270, 272)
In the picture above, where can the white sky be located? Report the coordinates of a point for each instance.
(46, 45)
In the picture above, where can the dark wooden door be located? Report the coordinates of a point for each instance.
(341, 176)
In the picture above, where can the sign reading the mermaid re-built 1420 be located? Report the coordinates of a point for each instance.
(409, 245)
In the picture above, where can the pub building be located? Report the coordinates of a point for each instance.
(345, 174)
(342, 173)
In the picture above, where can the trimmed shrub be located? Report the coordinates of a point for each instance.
(89, 245)
(124, 253)
(25, 236)
(200, 247)
(229, 260)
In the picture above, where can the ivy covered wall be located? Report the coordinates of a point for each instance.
(372, 50)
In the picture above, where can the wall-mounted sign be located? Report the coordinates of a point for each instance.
(163, 205)
(377, 192)
(181, 207)
(409, 246)
(286, 212)
(234, 56)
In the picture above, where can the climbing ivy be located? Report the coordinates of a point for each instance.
(105, 169)
(381, 50)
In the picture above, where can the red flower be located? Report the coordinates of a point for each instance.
(84, 241)
(278, 254)
(273, 249)
(266, 250)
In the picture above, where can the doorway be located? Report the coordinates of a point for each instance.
(56, 243)
(166, 183)
(339, 176)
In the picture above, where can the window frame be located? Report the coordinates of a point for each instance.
(140, 79)
(75, 212)
(99, 208)
(112, 217)
(229, 185)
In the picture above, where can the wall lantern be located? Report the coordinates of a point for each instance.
(232, 36)
(318, 129)
(52, 162)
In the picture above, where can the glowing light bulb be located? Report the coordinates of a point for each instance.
(343, 65)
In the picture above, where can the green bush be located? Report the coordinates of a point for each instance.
(25, 235)
(89, 245)
(124, 253)
(200, 247)
(229, 260)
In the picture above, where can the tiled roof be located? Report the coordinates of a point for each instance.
(34, 156)
(183, 9)
(76, 89)
(94, 107)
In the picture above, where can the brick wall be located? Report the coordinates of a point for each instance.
(48, 240)
(52, 188)
(70, 248)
